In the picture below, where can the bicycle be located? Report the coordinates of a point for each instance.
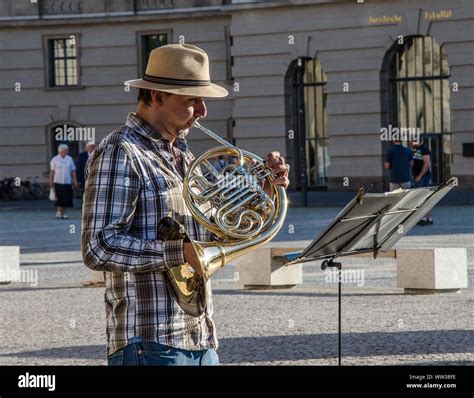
(33, 189)
(8, 190)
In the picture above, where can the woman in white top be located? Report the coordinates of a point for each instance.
(63, 171)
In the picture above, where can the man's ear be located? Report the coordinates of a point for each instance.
(157, 97)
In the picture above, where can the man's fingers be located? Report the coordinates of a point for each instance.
(281, 181)
(275, 161)
(281, 170)
(274, 154)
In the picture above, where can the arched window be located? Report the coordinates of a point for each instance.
(307, 120)
(419, 97)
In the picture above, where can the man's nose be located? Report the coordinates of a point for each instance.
(200, 109)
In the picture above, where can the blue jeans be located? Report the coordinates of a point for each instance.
(142, 353)
(424, 182)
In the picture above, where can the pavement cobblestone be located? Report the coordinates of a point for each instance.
(58, 322)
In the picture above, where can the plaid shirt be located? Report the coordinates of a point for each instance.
(132, 182)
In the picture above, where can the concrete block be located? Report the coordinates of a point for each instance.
(264, 269)
(9, 264)
(432, 270)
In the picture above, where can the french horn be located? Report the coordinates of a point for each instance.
(232, 204)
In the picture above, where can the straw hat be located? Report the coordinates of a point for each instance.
(179, 69)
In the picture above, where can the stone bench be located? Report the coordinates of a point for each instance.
(264, 269)
(9, 264)
(430, 270)
(434, 270)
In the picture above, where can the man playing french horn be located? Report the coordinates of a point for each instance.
(138, 225)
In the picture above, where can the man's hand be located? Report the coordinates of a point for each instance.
(276, 163)
(418, 178)
(191, 257)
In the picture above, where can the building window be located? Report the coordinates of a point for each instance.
(148, 43)
(63, 62)
(308, 123)
(419, 97)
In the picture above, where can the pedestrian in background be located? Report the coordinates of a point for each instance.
(398, 161)
(421, 171)
(81, 163)
(62, 175)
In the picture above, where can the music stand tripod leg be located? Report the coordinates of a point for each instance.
(328, 264)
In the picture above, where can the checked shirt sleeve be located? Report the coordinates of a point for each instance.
(110, 198)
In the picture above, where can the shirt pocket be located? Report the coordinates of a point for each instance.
(157, 188)
(157, 182)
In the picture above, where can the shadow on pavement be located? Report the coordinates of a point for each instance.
(307, 347)
(82, 352)
(320, 346)
(299, 294)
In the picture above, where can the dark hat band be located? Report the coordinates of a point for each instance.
(178, 82)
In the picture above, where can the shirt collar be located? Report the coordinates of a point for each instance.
(140, 126)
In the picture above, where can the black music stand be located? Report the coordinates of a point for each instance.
(371, 222)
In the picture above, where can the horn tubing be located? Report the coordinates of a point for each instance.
(220, 139)
(213, 135)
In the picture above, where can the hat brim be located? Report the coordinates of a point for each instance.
(212, 90)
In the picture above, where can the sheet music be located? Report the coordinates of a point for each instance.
(374, 221)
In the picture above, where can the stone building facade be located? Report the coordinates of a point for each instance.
(316, 80)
